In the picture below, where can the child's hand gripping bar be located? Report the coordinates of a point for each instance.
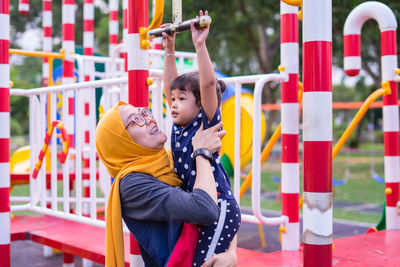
(199, 22)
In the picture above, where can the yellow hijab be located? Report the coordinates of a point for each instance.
(121, 155)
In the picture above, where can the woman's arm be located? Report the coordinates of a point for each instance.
(208, 92)
(170, 70)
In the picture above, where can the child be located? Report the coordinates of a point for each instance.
(194, 99)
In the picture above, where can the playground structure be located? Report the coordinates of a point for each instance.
(78, 102)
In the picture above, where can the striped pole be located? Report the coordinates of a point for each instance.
(88, 48)
(47, 25)
(68, 44)
(352, 60)
(125, 31)
(138, 72)
(68, 260)
(88, 37)
(138, 59)
(4, 134)
(317, 136)
(113, 27)
(23, 7)
(290, 126)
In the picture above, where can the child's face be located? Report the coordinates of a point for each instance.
(184, 108)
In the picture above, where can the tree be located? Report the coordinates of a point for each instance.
(244, 37)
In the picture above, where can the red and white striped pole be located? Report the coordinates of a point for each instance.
(113, 27)
(4, 134)
(88, 37)
(88, 48)
(68, 44)
(290, 126)
(317, 134)
(125, 31)
(138, 59)
(23, 7)
(352, 64)
(47, 25)
(138, 72)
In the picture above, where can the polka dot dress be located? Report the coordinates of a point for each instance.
(215, 238)
(182, 154)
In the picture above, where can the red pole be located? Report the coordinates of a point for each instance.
(138, 72)
(68, 44)
(4, 134)
(290, 126)
(138, 59)
(352, 65)
(317, 135)
(47, 25)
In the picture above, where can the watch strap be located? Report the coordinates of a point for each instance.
(204, 152)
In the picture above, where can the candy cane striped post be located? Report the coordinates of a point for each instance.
(68, 260)
(290, 126)
(4, 134)
(88, 48)
(47, 25)
(125, 31)
(113, 26)
(23, 7)
(138, 72)
(317, 122)
(352, 64)
(88, 37)
(68, 44)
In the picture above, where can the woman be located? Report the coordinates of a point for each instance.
(145, 191)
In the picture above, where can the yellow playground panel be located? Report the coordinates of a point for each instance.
(246, 129)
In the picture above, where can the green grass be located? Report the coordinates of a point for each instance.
(359, 186)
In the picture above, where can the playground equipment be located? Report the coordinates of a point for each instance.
(387, 25)
(318, 156)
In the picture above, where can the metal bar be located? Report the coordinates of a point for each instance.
(199, 22)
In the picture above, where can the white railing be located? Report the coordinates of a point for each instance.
(259, 81)
(113, 91)
(115, 66)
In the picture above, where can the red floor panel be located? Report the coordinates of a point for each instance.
(79, 239)
(373, 249)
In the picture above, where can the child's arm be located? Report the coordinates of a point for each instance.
(208, 83)
(170, 71)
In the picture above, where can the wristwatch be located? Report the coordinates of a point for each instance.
(204, 152)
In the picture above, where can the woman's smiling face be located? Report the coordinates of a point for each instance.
(147, 135)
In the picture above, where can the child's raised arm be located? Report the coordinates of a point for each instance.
(208, 92)
(170, 71)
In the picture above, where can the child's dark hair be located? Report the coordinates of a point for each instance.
(191, 82)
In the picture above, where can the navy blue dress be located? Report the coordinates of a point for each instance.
(216, 238)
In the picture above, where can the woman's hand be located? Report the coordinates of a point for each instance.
(225, 259)
(199, 36)
(168, 41)
(209, 138)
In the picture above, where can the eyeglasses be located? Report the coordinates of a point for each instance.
(139, 118)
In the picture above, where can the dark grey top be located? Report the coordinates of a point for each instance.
(154, 213)
(144, 197)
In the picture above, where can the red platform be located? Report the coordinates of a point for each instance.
(374, 249)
